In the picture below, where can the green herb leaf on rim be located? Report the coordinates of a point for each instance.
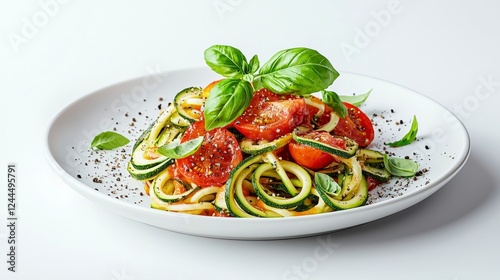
(357, 99)
(108, 140)
(409, 137)
(400, 166)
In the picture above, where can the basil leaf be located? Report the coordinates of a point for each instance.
(108, 140)
(331, 99)
(326, 183)
(409, 137)
(400, 166)
(298, 70)
(227, 101)
(355, 100)
(254, 64)
(226, 61)
(176, 150)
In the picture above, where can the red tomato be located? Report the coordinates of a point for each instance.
(217, 156)
(372, 183)
(314, 158)
(356, 126)
(270, 116)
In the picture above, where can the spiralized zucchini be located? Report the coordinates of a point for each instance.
(262, 185)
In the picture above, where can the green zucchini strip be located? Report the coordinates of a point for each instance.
(162, 189)
(271, 158)
(282, 202)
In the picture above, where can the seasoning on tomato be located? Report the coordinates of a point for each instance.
(212, 163)
(356, 126)
(270, 115)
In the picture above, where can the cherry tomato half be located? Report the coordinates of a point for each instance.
(314, 158)
(212, 163)
(270, 115)
(356, 126)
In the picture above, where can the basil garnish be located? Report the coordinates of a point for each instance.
(227, 101)
(300, 71)
(254, 64)
(400, 166)
(326, 183)
(331, 99)
(108, 140)
(355, 100)
(226, 61)
(409, 137)
(176, 150)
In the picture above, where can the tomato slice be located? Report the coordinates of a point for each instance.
(372, 183)
(212, 163)
(314, 158)
(270, 116)
(356, 126)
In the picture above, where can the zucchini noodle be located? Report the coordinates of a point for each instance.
(262, 185)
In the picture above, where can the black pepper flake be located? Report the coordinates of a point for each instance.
(159, 106)
(427, 147)
(160, 99)
(79, 176)
(392, 110)
(134, 120)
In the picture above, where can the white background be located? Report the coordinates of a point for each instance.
(443, 49)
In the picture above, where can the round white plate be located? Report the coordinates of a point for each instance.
(441, 150)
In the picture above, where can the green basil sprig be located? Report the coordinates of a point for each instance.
(227, 100)
(326, 183)
(226, 61)
(409, 137)
(331, 99)
(177, 150)
(108, 140)
(400, 166)
(300, 71)
(356, 100)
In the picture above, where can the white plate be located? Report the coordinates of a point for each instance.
(442, 149)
